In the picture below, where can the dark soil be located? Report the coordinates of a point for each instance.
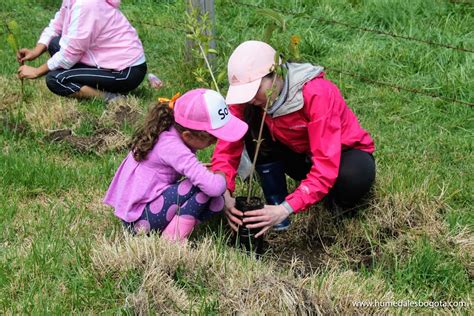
(15, 127)
(125, 114)
(96, 143)
(104, 138)
(58, 135)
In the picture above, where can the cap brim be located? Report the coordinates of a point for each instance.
(243, 93)
(234, 130)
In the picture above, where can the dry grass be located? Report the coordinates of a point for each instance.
(10, 94)
(339, 290)
(465, 242)
(319, 238)
(239, 284)
(102, 141)
(42, 110)
(121, 110)
(332, 247)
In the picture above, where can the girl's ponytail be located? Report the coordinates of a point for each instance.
(159, 119)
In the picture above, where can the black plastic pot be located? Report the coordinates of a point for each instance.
(246, 238)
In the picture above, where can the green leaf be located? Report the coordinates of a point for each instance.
(13, 27)
(12, 42)
(267, 35)
(276, 58)
(275, 16)
(212, 51)
(221, 76)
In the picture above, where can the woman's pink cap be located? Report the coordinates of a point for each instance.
(248, 64)
(206, 110)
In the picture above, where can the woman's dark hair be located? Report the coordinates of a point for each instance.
(159, 119)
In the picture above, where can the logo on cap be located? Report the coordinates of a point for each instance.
(218, 111)
(234, 79)
(223, 112)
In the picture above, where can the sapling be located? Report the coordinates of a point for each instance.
(277, 22)
(250, 202)
(12, 39)
(198, 26)
(269, 94)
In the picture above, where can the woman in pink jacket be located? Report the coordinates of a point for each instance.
(95, 52)
(310, 134)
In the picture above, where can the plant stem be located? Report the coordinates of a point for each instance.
(22, 85)
(259, 139)
(209, 67)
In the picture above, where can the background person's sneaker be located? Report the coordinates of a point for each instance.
(110, 97)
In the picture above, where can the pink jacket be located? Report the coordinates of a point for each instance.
(95, 33)
(322, 128)
(137, 183)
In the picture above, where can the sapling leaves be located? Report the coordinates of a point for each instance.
(12, 28)
(12, 40)
(198, 26)
(277, 18)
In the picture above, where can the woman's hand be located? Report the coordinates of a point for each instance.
(265, 218)
(231, 212)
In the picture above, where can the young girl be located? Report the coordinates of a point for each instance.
(147, 191)
(310, 134)
(95, 52)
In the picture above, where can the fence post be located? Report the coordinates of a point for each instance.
(203, 6)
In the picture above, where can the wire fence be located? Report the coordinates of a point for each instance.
(399, 88)
(305, 15)
(163, 27)
(359, 77)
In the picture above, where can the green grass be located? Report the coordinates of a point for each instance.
(415, 242)
(430, 271)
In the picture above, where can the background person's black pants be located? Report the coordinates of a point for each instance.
(356, 171)
(67, 81)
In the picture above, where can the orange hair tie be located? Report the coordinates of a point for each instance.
(170, 101)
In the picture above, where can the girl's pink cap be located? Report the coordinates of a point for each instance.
(206, 110)
(248, 64)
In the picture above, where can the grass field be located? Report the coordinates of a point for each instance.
(62, 251)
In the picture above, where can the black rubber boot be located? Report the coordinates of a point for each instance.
(273, 182)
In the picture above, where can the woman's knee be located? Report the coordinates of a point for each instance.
(55, 86)
(356, 166)
(356, 177)
(51, 82)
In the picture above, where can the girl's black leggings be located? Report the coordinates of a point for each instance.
(68, 81)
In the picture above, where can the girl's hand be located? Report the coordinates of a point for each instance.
(231, 212)
(266, 217)
(26, 54)
(28, 72)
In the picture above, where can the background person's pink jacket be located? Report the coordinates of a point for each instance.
(323, 128)
(137, 183)
(95, 33)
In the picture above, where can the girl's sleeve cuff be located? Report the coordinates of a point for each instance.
(288, 207)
